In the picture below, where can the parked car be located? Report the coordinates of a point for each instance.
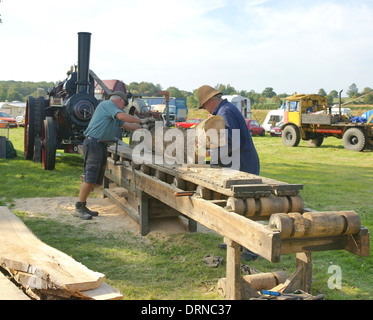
(3, 123)
(21, 120)
(11, 121)
(255, 128)
(189, 123)
(276, 131)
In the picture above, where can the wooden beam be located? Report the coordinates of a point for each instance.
(252, 235)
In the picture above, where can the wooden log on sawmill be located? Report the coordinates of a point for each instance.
(316, 224)
(265, 281)
(264, 207)
(205, 135)
(39, 267)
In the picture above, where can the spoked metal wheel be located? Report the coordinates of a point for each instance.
(29, 135)
(34, 116)
(49, 144)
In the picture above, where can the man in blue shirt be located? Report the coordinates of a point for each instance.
(107, 119)
(211, 100)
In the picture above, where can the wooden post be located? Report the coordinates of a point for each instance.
(302, 276)
(304, 259)
(233, 276)
(144, 213)
(105, 185)
(192, 225)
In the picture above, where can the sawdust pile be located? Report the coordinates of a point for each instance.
(111, 217)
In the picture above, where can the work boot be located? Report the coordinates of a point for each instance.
(245, 255)
(83, 212)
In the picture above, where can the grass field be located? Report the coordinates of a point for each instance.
(171, 267)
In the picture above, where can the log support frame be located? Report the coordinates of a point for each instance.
(237, 230)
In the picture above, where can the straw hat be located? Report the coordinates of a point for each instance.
(205, 93)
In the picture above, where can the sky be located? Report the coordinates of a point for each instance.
(291, 46)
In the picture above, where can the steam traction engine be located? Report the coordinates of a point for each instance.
(59, 121)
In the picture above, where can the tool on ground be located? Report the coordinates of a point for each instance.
(296, 295)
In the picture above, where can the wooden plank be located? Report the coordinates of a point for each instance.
(359, 243)
(21, 250)
(295, 245)
(230, 182)
(104, 292)
(9, 291)
(213, 177)
(246, 232)
(126, 208)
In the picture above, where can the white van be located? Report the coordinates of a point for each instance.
(273, 116)
(161, 108)
(242, 104)
(344, 111)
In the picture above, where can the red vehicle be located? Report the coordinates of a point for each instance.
(9, 119)
(255, 128)
(189, 123)
(276, 131)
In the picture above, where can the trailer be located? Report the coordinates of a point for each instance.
(273, 119)
(179, 105)
(241, 103)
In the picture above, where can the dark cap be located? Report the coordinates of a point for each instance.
(118, 93)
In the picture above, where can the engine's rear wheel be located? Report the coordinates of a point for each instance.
(49, 144)
(29, 134)
(34, 116)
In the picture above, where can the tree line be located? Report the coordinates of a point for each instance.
(267, 99)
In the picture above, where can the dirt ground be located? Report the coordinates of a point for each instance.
(111, 217)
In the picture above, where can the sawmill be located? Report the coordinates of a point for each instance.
(163, 172)
(266, 216)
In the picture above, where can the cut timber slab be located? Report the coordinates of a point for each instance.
(9, 291)
(42, 267)
(104, 292)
